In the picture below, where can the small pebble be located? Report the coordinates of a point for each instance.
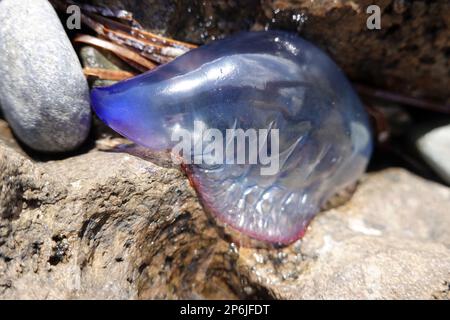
(434, 146)
(93, 58)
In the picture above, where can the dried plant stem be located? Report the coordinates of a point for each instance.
(106, 74)
(118, 50)
(151, 46)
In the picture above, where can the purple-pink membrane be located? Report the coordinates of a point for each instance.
(246, 83)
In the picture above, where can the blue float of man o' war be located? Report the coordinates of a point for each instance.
(254, 82)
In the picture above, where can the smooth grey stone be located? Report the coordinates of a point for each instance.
(434, 147)
(43, 92)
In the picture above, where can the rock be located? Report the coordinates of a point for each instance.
(434, 146)
(43, 93)
(409, 54)
(389, 242)
(111, 225)
(94, 58)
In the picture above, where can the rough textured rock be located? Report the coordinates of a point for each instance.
(43, 93)
(389, 242)
(111, 225)
(410, 53)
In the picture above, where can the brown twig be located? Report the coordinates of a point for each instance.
(151, 46)
(139, 33)
(118, 50)
(106, 74)
(154, 49)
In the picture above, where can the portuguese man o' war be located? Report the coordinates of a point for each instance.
(269, 82)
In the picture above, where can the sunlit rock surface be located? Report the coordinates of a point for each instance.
(110, 225)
